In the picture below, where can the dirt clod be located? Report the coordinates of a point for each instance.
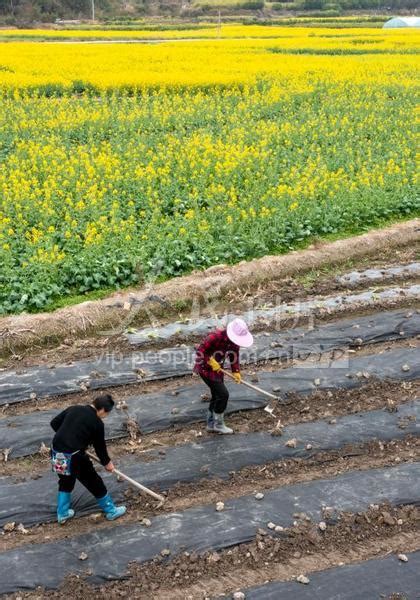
(145, 522)
(214, 557)
(95, 517)
(387, 519)
(22, 529)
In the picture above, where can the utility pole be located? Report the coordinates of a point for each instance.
(219, 26)
(93, 10)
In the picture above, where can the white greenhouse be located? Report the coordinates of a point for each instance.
(402, 22)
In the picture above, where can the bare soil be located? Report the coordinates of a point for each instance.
(373, 395)
(199, 290)
(302, 548)
(170, 385)
(91, 347)
(71, 334)
(249, 480)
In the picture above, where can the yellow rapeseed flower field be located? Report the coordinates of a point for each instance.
(227, 60)
(123, 162)
(205, 30)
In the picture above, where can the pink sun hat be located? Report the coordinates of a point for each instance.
(238, 333)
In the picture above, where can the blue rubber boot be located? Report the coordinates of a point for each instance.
(64, 512)
(111, 511)
(210, 421)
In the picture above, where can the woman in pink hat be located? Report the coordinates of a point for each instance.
(211, 355)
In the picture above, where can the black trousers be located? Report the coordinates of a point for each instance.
(219, 395)
(83, 470)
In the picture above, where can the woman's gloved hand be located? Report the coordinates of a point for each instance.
(214, 364)
(237, 377)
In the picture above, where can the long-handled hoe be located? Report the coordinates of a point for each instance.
(269, 409)
(134, 483)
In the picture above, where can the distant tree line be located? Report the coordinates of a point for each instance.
(26, 12)
(50, 10)
(358, 4)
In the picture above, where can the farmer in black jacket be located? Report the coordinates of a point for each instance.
(76, 428)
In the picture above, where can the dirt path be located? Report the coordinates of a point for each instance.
(170, 385)
(293, 315)
(301, 549)
(360, 457)
(321, 405)
(200, 289)
(333, 553)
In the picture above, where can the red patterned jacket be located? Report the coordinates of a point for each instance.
(218, 345)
